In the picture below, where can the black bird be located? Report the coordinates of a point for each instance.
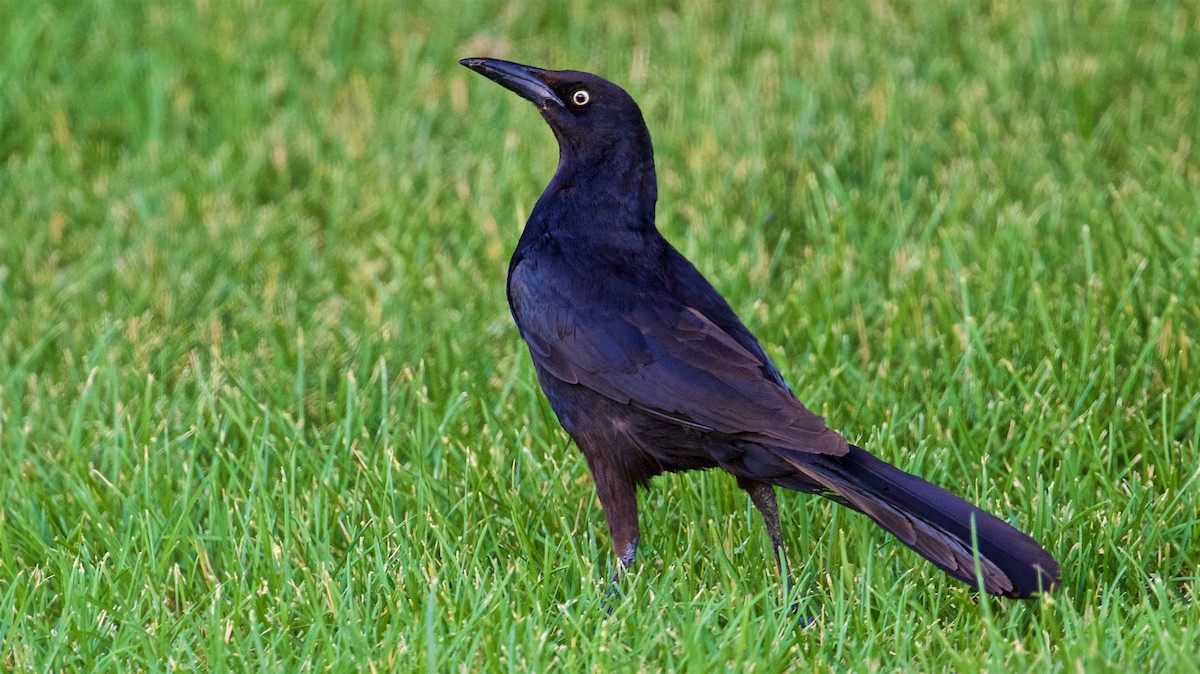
(649, 370)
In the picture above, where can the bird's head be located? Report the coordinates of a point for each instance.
(587, 113)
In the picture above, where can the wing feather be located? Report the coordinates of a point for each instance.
(667, 358)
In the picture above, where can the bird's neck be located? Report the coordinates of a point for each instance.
(602, 190)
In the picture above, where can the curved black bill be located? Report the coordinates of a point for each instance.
(525, 81)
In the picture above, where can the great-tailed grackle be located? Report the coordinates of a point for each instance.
(649, 370)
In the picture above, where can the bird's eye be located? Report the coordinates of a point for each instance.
(581, 97)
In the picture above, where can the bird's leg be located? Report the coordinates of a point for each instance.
(624, 559)
(618, 498)
(762, 495)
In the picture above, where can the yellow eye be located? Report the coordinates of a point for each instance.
(581, 97)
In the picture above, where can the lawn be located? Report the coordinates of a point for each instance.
(262, 405)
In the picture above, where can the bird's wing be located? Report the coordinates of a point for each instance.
(662, 356)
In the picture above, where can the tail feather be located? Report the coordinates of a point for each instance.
(933, 522)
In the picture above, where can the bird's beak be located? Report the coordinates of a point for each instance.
(526, 81)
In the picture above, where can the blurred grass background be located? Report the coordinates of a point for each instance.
(262, 405)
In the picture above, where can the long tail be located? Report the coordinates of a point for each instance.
(934, 522)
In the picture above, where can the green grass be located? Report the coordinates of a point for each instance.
(262, 406)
